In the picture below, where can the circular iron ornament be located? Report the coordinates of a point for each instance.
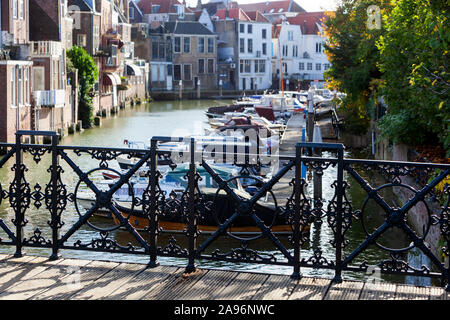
(426, 229)
(246, 207)
(100, 229)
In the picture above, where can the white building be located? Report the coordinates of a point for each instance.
(255, 55)
(287, 49)
(312, 61)
(245, 45)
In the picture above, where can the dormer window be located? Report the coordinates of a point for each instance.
(131, 13)
(155, 8)
(180, 9)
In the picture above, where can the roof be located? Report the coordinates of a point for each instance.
(257, 16)
(273, 7)
(81, 5)
(236, 14)
(166, 6)
(182, 27)
(308, 21)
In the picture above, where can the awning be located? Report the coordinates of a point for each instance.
(133, 70)
(111, 79)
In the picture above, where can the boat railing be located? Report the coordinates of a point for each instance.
(274, 224)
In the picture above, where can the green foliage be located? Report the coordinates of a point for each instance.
(414, 62)
(352, 50)
(87, 75)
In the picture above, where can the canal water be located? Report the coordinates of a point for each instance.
(185, 118)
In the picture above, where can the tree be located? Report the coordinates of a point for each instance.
(414, 62)
(87, 75)
(352, 50)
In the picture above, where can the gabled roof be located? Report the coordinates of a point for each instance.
(257, 16)
(268, 7)
(235, 14)
(182, 27)
(308, 21)
(166, 6)
(83, 5)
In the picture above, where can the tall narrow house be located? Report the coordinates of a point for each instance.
(15, 69)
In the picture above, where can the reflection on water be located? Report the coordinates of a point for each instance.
(181, 119)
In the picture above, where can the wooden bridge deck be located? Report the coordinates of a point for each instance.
(37, 278)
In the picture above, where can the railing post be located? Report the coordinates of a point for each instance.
(297, 212)
(339, 215)
(192, 220)
(153, 219)
(54, 209)
(19, 195)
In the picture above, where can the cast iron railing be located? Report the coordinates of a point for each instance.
(192, 205)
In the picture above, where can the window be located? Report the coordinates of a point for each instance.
(318, 66)
(20, 85)
(319, 47)
(248, 66)
(264, 33)
(285, 50)
(301, 66)
(309, 66)
(210, 66)
(155, 8)
(250, 46)
(295, 51)
(291, 35)
(210, 45)
(131, 13)
(27, 85)
(187, 45)
(177, 72)
(81, 40)
(242, 28)
(13, 86)
(264, 49)
(326, 66)
(22, 9)
(177, 46)
(260, 66)
(201, 45)
(241, 66)
(201, 66)
(249, 29)
(241, 45)
(187, 72)
(15, 9)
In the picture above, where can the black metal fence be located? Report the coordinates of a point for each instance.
(293, 209)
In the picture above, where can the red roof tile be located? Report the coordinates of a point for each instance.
(166, 6)
(267, 6)
(308, 21)
(236, 14)
(257, 16)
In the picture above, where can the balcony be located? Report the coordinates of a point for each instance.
(50, 98)
(45, 48)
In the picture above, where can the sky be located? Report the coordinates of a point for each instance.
(308, 5)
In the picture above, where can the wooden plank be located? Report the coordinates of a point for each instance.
(111, 281)
(406, 292)
(76, 279)
(36, 282)
(138, 286)
(378, 291)
(347, 290)
(276, 287)
(181, 285)
(208, 285)
(243, 287)
(12, 270)
(310, 289)
(439, 294)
